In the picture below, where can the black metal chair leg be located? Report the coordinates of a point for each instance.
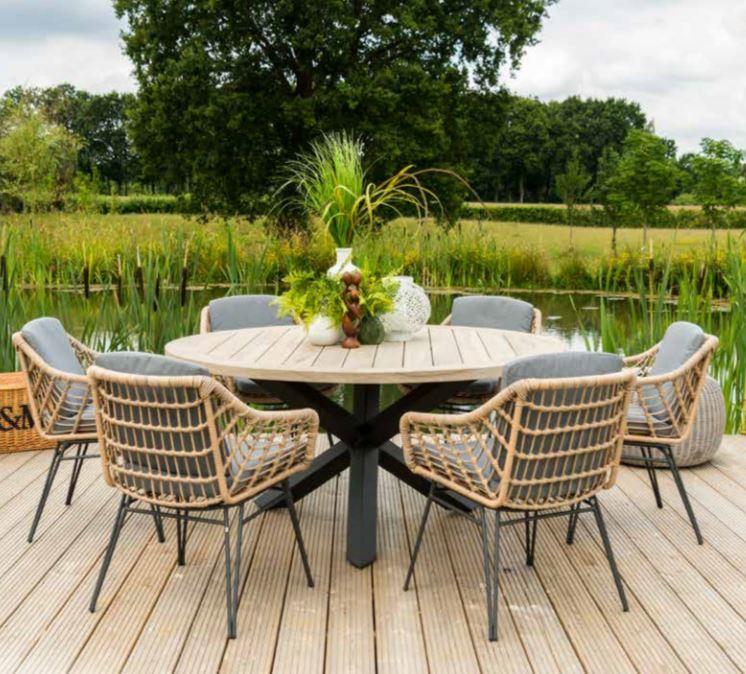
(232, 570)
(418, 540)
(609, 552)
(491, 574)
(531, 526)
(51, 473)
(77, 465)
(158, 521)
(652, 476)
(181, 536)
(572, 524)
(668, 453)
(298, 535)
(330, 439)
(113, 538)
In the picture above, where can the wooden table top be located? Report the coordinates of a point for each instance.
(437, 353)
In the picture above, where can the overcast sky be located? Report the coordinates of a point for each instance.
(683, 60)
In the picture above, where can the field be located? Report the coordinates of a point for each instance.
(62, 248)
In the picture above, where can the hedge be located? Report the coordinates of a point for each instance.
(590, 216)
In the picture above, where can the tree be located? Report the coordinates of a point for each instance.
(37, 158)
(229, 90)
(717, 179)
(607, 193)
(572, 186)
(647, 175)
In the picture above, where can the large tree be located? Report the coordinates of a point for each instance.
(229, 89)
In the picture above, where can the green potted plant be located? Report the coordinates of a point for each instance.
(316, 300)
(329, 182)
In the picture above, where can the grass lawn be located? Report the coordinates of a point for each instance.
(592, 242)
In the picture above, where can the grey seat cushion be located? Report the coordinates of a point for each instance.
(182, 429)
(245, 311)
(561, 366)
(150, 364)
(48, 338)
(486, 311)
(639, 424)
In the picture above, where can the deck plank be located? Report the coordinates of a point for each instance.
(688, 603)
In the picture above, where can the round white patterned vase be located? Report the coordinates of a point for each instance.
(411, 311)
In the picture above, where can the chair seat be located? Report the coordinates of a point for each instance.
(67, 424)
(639, 424)
(463, 463)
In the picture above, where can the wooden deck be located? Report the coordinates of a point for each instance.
(688, 603)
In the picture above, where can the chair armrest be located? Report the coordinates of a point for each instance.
(642, 361)
(262, 448)
(85, 354)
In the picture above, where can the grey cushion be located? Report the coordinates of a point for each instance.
(637, 423)
(571, 364)
(561, 366)
(48, 338)
(135, 362)
(681, 341)
(245, 311)
(177, 426)
(484, 311)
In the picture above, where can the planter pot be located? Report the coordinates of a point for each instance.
(411, 311)
(343, 263)
(322, 332)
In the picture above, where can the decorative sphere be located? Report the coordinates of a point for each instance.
(411, 311)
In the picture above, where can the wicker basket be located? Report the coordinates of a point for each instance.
(17, 433)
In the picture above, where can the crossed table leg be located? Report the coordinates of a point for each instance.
(365, 444)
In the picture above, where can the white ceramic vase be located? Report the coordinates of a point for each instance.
(322, 332)
(411, 311)
(343, 263)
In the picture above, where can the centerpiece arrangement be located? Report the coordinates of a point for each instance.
(343, 308)
(329, 184)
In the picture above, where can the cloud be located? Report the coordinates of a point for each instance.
(682, 60)
(46, 42)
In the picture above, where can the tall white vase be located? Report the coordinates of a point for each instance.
(343, 263)
(411, 311)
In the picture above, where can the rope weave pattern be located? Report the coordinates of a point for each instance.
(61, 403)
(663, 406)
(187, 441)
(538, 444)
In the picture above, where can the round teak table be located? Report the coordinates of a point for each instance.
(440, 359)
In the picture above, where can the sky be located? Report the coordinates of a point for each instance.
(684, 61)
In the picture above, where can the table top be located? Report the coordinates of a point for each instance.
(437, 353)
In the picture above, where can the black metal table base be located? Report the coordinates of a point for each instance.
(365, 444)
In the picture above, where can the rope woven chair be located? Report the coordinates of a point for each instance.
(670, 377)
(177, 440)
(59, 398)
(249, 311)
(542, 447)
(486, 311)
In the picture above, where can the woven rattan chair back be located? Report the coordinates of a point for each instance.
(667, 403)
(539, 444)
(60, 402)
(186, 441)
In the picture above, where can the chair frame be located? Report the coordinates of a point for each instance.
(686, 382)
(47, 388)
(508, 406)
(239, 422)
